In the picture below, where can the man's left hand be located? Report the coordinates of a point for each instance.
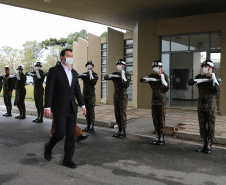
(84, 111)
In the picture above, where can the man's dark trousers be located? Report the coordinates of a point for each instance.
(65, 126)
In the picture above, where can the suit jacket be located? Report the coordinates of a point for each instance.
(59, 95)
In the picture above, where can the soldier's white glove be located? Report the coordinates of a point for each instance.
(38, 74)
(148, 79)
(113, 76)
(213, 77)
(90, 74)
(123, 76)
(18, 76)
(31, 74)
(82, 74)
(163, 80)
(198, 81)
(12, 76)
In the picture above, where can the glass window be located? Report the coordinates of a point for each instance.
(104, 46)
(129, 60)
(104, 61)
(215, 41)
(179, 43)
(128, 51)
(104, 53)
(128, 42)
(199, 42)
(104, 69)
(165, 44)
(129, 69)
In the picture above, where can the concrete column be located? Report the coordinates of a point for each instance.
(146, 50)
(94, 54)
(115, 50)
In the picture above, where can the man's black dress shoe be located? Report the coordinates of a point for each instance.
(81, 137)
(47, 153)
(70, 164)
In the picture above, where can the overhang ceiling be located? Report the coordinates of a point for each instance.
(122, 13)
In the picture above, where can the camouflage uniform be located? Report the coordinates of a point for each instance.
(120, 97)
(8, 85)
(207, 105)
(20, 94)
(158, 102)
(38, 93)
(89, 96)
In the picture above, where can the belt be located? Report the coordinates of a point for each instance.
(158, 97)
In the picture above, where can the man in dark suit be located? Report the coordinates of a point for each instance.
(62, 87)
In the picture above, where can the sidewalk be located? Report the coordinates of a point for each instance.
(180, 123)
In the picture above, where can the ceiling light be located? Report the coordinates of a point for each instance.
(47, 1)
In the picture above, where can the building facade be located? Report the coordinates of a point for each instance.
(181, 43)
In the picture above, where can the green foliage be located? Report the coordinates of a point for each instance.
(65, 42)
(104, 34)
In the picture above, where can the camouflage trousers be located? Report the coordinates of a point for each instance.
(7, 101)
(20, 97)
(90, 112)
(38, 96)
(158, 116)
(120, 106)
(207, 116)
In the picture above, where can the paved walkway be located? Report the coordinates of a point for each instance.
(181, 123)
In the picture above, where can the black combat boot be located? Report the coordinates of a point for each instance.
(22, 116)
(8, 114)
(91, 128)
(117, 134)
(87, 128)
(123, 133)
(209, 146)
(203, 147)
(156, 141)
(36, 118)
(161, 139)
(17, 117)
(40, 118)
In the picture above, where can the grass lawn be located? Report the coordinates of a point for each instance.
(29, 93)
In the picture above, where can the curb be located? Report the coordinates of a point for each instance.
(196, 137)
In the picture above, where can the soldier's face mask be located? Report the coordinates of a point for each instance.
(69, 61)
(156, 69)
(89, 67)
(37, 68)
(205, 70)
(119, 67)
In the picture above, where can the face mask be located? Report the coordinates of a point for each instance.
(156, 69)
(205, 70)
(37, 68)
(89, 67)
(69, 61)
(119, 68)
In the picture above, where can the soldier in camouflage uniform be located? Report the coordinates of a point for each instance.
(20, 92)
(159, 85)
(8, 85)
(208, 85)
(121, 80)
(89, 81)
(38, 79)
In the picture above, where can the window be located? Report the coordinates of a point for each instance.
(103, 70)
(128, 57)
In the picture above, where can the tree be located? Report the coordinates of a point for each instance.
(52, 57)
(32, 53)
(104, 34)
(10, 57)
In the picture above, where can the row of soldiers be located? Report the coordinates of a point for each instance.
(207, 83)
(18, 81)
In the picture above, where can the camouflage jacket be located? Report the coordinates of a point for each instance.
(8, 84)
(207, 91)
(120, 86)
(20, 84)
(89, 84)
(158, 89)
(38, 82)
